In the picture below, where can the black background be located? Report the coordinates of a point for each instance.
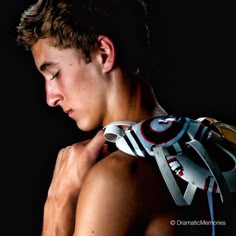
(194, 48)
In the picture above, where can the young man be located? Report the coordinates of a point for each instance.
(93, 56)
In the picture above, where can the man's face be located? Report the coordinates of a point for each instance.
(78, 88)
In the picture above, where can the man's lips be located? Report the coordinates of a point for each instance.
(68, 112)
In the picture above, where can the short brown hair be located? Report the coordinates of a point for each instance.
(78, 23)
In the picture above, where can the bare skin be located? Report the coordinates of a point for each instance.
(71, 167)
(124, 195)
(95, 191)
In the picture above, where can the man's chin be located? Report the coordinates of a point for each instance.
(85, 126)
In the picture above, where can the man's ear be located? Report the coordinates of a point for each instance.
(107, 53)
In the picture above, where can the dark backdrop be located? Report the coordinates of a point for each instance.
(194, 50)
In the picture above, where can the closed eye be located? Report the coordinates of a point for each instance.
(55, 76)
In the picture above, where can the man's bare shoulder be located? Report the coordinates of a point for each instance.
(139, 178)
(129, 166)
(127, 191)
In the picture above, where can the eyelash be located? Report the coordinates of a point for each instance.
(55, 76)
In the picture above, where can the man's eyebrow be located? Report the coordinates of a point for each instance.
(45, 65)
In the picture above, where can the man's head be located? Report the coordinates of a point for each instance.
(78, 23)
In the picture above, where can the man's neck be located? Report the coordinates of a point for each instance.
(135, 102)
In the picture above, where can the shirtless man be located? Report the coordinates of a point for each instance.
(93, 56)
